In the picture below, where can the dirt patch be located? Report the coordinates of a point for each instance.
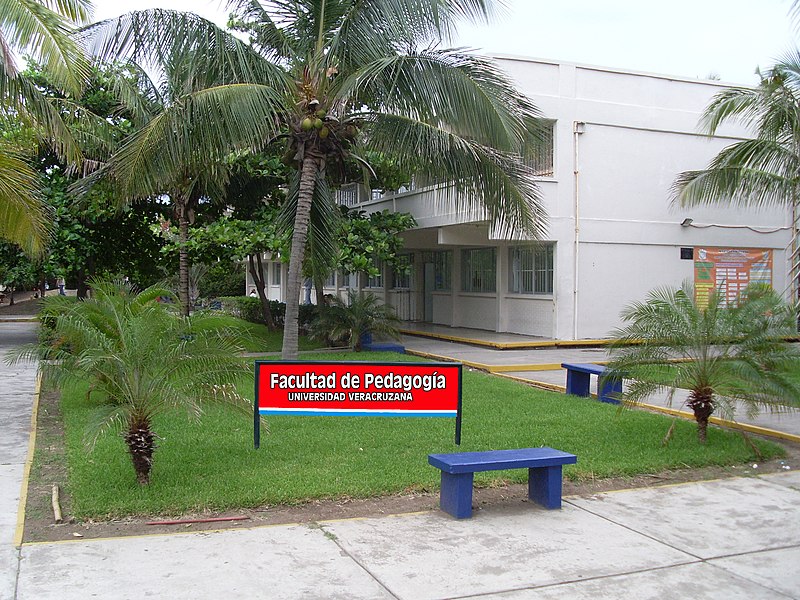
(50, 468)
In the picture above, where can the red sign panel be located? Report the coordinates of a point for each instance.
(358, 389)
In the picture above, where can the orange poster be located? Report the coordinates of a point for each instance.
(729, 270)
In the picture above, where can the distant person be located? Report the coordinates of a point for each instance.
(61, 285)
(253, 293)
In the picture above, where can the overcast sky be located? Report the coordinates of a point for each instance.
(689, 38)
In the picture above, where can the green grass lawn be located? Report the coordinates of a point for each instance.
(212, 464)
(263, 340)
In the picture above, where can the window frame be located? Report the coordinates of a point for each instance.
(479, 264)
(534, 272)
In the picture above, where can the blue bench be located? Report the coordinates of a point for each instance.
(384, 347)
(367, 343)
(458, 470)
(579, 374)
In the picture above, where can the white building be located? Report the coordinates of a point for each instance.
(619, 141)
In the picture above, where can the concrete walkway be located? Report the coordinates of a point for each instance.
(727, 539)
(17, 385)
(542, 365)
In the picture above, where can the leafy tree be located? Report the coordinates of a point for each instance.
(189, 117)
(721, 354)
(223, 279)
(92, 237)
(231, 240)
(365, 241)
(142, 359)
(17, 270)
(349, 321)
(44, 31)
(335, 76)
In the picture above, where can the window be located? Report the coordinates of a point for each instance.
(540, 157)
(479, 270)
(330, 281)
(443, 270)
(531, 269)
(376, 281)
(276, 273)
(401, 274)
(347, 280)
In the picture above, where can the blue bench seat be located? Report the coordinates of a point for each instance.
(578, 375)
(384, 347)
(458, 470)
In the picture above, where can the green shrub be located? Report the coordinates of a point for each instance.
(348, 322)
(249, 309)
(223, 279)
(52, 307)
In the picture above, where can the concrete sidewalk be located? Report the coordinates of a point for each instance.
(17, 386)
(728, 539)
(542, 365)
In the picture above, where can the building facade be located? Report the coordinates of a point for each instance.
(619, 140)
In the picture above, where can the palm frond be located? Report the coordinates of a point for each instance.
(749, 173)
(184, 139)
(36, 28)
(738, 352)
(462, 93)
(24, 217)
(476, 175)
(758, 172)
(157, 37)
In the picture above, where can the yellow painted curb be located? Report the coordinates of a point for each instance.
(26, 474)
(774, 433)
(495, 368)
(530, 367)
(506, 345)
(725, 423)
(443, 358)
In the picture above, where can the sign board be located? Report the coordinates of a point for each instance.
(729, 270)
(357, 389)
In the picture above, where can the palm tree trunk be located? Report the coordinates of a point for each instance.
(141, 445)
(257, 273)
(319, 290)
(702, 403)
(83, 288)
(308, 179)
(181, 207)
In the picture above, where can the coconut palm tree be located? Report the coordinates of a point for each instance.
(347, 75)
(141, 359)
(722, 354)
(43, 30)
(176, 108)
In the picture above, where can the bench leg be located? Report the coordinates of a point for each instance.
(577, 383)
(544, 486)
(608, 388)
(456, 495)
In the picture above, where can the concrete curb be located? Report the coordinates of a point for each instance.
(26, 474)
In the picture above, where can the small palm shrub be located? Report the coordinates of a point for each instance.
(141, 358)
(346, 322)
(721, 354)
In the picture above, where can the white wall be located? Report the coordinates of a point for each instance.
(616, 233)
